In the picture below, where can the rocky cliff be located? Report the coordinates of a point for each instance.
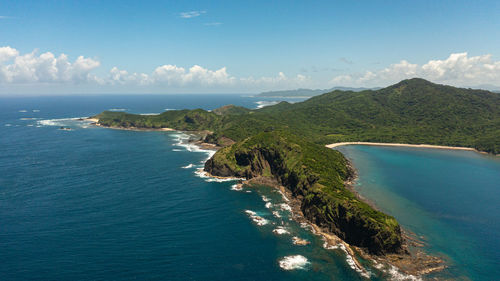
(315, 175)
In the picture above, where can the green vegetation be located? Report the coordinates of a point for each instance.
(286, 142)
(307, 92)
(315, 174)
(413, 111)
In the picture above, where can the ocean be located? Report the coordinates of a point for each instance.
(102, 204)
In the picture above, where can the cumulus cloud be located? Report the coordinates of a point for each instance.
(48, 69)
(458, 69)
(191, 14)
(45, 68)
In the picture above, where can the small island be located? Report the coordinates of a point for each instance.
(284, 146)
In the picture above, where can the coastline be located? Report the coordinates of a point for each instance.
(333, 145)
(417, 263)
(95, 122)
(413, 260)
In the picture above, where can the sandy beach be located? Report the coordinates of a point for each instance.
(333, 145)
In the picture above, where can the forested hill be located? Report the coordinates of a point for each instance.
(411, 111)
(307, 92)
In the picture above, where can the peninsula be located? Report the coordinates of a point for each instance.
(285, 144)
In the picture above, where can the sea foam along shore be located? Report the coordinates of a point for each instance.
(288, 263)
(96, 123)
(333, 145)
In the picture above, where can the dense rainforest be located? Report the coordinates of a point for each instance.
(286, 141)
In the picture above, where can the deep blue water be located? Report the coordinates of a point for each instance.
(101, 204)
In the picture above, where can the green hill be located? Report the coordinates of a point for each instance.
(315, 174)
(286, 143)
(413, 111)
(307, 92)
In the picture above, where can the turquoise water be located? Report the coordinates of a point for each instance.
(450, 198)
(101, 204)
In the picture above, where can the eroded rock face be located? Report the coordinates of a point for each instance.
(353, 221)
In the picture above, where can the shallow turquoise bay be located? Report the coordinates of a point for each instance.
(450, 198)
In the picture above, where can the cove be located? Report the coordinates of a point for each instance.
(449, 199)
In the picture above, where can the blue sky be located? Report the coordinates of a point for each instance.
(243, 46)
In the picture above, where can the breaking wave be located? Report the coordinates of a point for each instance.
(260, 221)
(280, 230)
(293, 262)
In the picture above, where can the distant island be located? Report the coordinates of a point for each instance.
(308, 92)
(284, 146)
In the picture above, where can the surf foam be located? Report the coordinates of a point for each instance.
(260, 221)
(293, 262)
(280, 230)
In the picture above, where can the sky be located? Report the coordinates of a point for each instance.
(78, 47)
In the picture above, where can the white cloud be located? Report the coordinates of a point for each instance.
(458, 69)
(122, 77)
(45, 68)
(172, 76)
(191, 14)
(7, 53)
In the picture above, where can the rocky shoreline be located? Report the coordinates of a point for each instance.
(412, 260)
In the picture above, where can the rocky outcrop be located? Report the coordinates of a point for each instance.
(314, 175)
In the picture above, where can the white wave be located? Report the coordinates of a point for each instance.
(169, 109)
(204, 175)
(221, 180)
(280, 230)
(248, 191)
(352, 264)
(64, 122)
(175, 149)
(183, 141)
(36, 110)
(201, 174)
(396, 275)
(29, 125)
(277, 214)
(269, 205)
(261, 104)
(265, 199)
(8, 125)
(285, 207)
(237, 187)
(284, 196)
(260, 221)
(188, 166)
(23, 110)
(305, 225)
(28, 118)
(117, 109)
(293, 262)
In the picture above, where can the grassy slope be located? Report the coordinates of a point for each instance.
(412, 111)
(315, 174)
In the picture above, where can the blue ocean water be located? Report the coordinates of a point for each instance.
(102, 204)
(451, 199)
